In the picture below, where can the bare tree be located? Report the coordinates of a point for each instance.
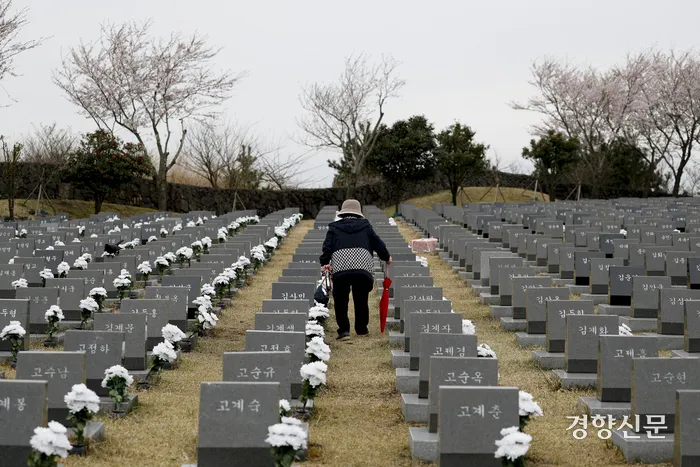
(146, 86)
(11, 157)
(11, 23)
(49, 144)
(340, 115)
(283, 172)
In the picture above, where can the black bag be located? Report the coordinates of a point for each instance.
(322, 294)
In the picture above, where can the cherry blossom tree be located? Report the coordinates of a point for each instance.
(11, 23)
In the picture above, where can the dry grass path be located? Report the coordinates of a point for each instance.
(163, 431)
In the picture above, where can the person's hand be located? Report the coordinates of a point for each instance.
(326, 268)
(389, 261)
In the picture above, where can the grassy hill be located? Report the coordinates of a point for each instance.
(75, 208)
(474, 195)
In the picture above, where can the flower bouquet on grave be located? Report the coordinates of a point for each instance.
(206, 244)
(184, 254)
(230, 273)
(81, 231)
(53, 317)
(88, 307)
(47, 444)
(45, 274)
(285, 408)
(527, 408)
(222, 235)
(271, 245)
(257, 253)
(245, 264)
(313, 376)
(280, 233)
(80, 263)
(58, 243)
(82, 405)
(99, 294)
(199, 222)
(87, 257)
(313, 329)
(22, 233)
(163, 232)
(152, 238)
(208, 290)
(317, 350)
(484, 351)
(222, 285)
(63, 269)
(162, 266)
(468, 327)
(118, 380)
(286, 439)
(319, 313)
(513, 447)
(123, 285)
(163, 354)
(173, 335)
(20, 283)
(177, 228)
(197, 248)
(14, 332)
(145, 270)
(233, 228)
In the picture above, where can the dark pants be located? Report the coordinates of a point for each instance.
(361, 286)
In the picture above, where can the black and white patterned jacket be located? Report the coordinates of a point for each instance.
(349, 247)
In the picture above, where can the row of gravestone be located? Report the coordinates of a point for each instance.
(581, 336)
(445, 387)
(235, 413)
(123, 338)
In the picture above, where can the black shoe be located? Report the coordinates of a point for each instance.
(362, 333)
(343, 335)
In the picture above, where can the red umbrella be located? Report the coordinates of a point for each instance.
(384, 302)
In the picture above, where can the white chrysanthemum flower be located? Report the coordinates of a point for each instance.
(203, 300)
(318, 348)
(144, 268)
(46, 273)
(22, 232)
(392, 222)
(222, 234)
(208, 290)
(197, 244)
(121, 282)
(49, 248)
(280, 232)
(221, 280)
(206, 242)
(138, 225)
(272, 243)
(94, 236)
(54, 312)
(124, 226)
(285, 406)
(161, 261)
(527, 405)
(108, 255)
(314, 329)
(172, 333)
(59, 243)
(13, 329)
(165, 352)
(177, 228)
(152, 238)
(163, 231)
(63, 268)
(623, 232)
(230, 273)
(314, 373)
(51, 441)
(513, 445)
(170, 256)
(81, 229)
(244, 261)
(120, 372)
(90, 304)
(125, 273)
(20, 283)
(468, 327)
(80, 398)
(185, 252)
(76, 240)
(199, 221)
(483, 350)
(87, 257)
(624, 330)
(80, 263)
(286, 435)
(98, 291)
(191, 224)
(318, 312)
(423, 261)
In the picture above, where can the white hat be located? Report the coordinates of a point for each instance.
(351, 206)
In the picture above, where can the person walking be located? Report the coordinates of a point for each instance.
(348, 252)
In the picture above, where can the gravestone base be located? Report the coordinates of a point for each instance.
(423, 444)
(107, 404)
(595, 407)
(577, 289)
(40, 328)
(443, 255)
(407, 381)
(597, 299)
(639, 324)
(575, 380)
(222, 457)
(605, 309)
(489, 299)
(42, 337)
(559, 282)
(396, 338)
(453, 264)
(684, 354)
(93, 432)
(514, 325)
(138, 375)
(457, 268)
(464, 275)
(531, 340)
(549, 360)
(167, 365)
(414, 409)
(644, 449)
(393, 324)
(473, 282)
(400, 358)
(501, 311)
(297, 404)
(481, 289)
(667, 341)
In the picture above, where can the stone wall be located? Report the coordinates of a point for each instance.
(183, 198)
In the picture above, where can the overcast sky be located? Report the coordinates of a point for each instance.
(462, 60)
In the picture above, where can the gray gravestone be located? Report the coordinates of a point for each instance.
(176, 303)
(621, 284)
(686, 449)
(436, 305)
(400, 283)
(102, 349)
(495, 264)
(505, 282)
(133, 325)
(285, 306)
(441, 345)
(692, 326)
(272, 341)
(536, 306)
(25, 405)
(458, 371)
(60, 369)
(269, 367)
(440, 323)
(281, 322)
(672, 310)
(293, 291)
(582, 332)
(557, 311)
(520, 287)
(471, 420)
(14, 310)
(32, 268)
(615, 364)
(70, 292)
(600, 274)
(582, 265)
(8, 274)
(233, 422)
(40, 300)
(645, 295)
(156, 312)
(193, 284)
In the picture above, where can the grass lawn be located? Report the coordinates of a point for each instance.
(75, 208)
